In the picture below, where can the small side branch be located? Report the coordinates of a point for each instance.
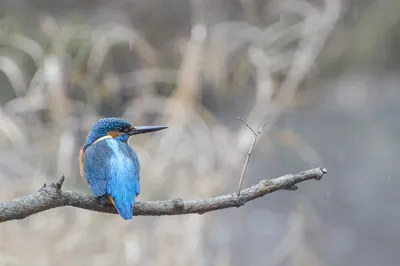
(249, 152)
(49, 197)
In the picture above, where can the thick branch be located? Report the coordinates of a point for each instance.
(52, 197)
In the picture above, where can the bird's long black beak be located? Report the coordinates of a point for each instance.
(145, 129)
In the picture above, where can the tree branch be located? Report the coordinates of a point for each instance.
(49, 197)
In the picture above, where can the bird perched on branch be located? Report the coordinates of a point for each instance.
(110, 166)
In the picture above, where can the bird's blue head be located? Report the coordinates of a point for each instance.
(123, 137)
(116, 128)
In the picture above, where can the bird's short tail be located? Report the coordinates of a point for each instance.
(124, 210)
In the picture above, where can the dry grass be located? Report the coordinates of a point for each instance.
(63, 77)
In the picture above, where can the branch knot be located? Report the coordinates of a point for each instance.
(178, 203)
(239, 200)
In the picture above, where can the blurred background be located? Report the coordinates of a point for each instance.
(325, 74)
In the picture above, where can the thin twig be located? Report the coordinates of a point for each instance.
(249, 152)
(247, 125)
(52, 197)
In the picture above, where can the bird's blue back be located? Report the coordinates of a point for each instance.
(112, 169)
(124, 138)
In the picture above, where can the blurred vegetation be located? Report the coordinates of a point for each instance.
(194, 66)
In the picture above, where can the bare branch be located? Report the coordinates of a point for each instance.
(249, 152)
(52, 196)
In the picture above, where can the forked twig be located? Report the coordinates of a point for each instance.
(249, 152)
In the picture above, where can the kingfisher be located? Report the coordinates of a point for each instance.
(110, 166)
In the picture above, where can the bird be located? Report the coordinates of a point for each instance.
(110, 166)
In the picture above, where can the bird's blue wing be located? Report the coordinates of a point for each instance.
(122, 176)
(96, 159)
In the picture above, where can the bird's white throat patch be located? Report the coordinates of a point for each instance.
(102, 138)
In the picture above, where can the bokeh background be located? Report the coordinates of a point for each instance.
(325, 74)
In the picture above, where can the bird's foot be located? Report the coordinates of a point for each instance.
(102, 200)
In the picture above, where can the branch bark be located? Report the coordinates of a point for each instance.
(49, 197)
